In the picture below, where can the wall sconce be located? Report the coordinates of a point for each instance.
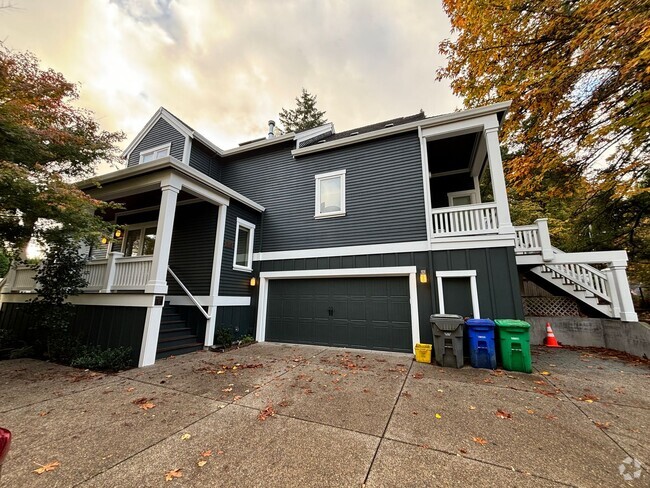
(423, 276)
(104, 240)
(118, 233)
(253, 281)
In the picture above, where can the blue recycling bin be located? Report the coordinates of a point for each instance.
(482, 350)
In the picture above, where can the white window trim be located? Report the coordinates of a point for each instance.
(251, 239)
(465, 273)
(472, 194)
(141, 226)
(339, 213)
(167, 146)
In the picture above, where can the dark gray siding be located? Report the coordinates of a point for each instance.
(384, 194)
(497, 278)
(192, 249)
(160, 133)
(205, 161)
(93, 325)
(236, 319)
(234, 282)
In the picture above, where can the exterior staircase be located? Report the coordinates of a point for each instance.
(175, 336)
(603, 287)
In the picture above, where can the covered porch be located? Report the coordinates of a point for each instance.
(465, 189)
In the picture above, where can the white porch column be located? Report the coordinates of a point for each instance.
(545, 239)
(109, 274)
(613, 294)
(216, 275)
(623, 291)
(158, 277)
(149, 344)
(498, 180)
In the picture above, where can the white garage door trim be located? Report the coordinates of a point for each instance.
(409, 271)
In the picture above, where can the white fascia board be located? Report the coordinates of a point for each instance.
(339, 273)
(343, 251)
(463, 273)
(424, 124)
(168, 162)
(589, 257)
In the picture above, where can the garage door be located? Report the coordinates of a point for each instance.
(367, 313)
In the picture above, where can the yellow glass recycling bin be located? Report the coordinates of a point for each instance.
(423, 353)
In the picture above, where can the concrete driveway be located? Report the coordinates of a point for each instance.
(341, 418)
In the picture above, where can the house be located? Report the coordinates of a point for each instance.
(346, 239)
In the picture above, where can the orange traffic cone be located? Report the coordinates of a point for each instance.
(551, 341)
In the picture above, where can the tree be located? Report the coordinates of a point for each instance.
(304, 116)
(46, 143)
(578, 73)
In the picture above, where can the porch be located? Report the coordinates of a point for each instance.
(465, 190)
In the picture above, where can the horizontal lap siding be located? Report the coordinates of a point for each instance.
(384, 194)
(192, 248)
(202, 159)
(161, 133)
(234, 282)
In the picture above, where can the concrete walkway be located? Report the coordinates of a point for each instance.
(341, 418)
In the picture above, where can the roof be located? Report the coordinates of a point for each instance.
(376, 126)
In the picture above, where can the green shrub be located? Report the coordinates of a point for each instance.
(110, 359)
(247, 339)
(224, 337)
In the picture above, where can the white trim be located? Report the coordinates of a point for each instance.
(167, 146)
(425, 123)
(460, 127)
(464, 193)
(439, 244)
(426, 182)
(149, 343)
(187, 150)
(448, 173)
(589, 257)
(325, 176)
(106, 299)
(409, 271)
(210, 301)
(215, 276)
(305, 135)
(251, 240)
(467, 273)
(141, 226)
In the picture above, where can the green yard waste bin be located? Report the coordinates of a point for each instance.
(514, 339)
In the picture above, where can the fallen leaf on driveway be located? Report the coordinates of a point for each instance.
(530, 411)
(550, 417)
(463, 451)
(540, 382)
(545, 373)
(419, 375)
(602, 425)
(237, 397)
(130, 389)
(226, 390)
(174, 473)
(266, 413)
(144, 403)
(201, 463)
(480, 440)
(438, 416)
(502, 414)
(406, 394)
(589, 398)
(472, 407)
(51, 466)
(488, 380)
(284, 403)
(43, 413)
(185, 436)
(207, 453)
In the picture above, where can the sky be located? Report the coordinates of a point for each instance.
(227, 67)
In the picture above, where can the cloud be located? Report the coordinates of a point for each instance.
(227, 67)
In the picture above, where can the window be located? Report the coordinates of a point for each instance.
(466, 197)
(140, 240)
(330, 194)
(155, 153)
(243, 259)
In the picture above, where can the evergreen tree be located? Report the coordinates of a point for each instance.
(304, 116)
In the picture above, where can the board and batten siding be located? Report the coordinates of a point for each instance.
(384, 193)
(203, 159)
(192, 249)
(161, 133)
(235, 282)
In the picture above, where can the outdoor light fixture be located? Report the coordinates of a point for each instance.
(104, 240)
(423, 276)
(253, 281)
(118, 233)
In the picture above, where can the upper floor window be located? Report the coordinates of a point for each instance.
(330, 194)
(243, 259)
(155, 153)
(466, 197)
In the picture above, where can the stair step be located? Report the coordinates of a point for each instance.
(174, 333)
(164, 352)
(172, 323)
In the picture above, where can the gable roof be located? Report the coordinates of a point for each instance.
(373, 127)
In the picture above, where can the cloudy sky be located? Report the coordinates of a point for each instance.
(227, 67)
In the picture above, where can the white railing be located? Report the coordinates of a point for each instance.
(189, 295)
(527, 239)
(131, 273)
(584, 277)
(95, 273)
(465, 220)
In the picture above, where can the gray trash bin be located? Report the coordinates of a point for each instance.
(448, 339)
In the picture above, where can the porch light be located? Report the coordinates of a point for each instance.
(423, 276)
(104, 240)
(118, 233)
(253, 281)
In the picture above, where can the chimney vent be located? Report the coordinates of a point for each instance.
(271, 129)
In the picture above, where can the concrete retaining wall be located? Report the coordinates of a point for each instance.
(630, 337)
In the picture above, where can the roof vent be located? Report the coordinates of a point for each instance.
(271, 129)
(389, 125)
(322, 141)
(356, 132)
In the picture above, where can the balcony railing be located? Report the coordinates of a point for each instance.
(465, 220)
(117, 273)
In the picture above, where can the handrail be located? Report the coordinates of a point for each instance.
(463, 208)
(187, 292)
